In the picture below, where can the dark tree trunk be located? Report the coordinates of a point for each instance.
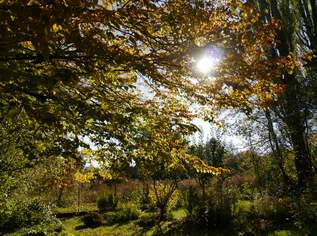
(60, 195)
(276, 149)
(202, 183)
(291, 102)
(255, 162)
(294, 118)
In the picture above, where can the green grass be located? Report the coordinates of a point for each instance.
(283, 233)
(85, 207)
(70, 225)
(74, 226)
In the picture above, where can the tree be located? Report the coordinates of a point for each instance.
(70, 68)
(72, 65)
(266, 64)
(24, 146)
(294, 106)
(265, 136)
(212, 153)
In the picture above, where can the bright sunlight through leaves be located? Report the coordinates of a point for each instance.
(209, 60)
(206, 64)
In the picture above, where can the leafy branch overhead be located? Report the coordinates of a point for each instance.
(72, 66)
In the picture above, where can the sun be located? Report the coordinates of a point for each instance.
(206, 64)
(208, 60)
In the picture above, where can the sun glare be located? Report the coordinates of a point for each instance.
(209, 60)
(206, 64)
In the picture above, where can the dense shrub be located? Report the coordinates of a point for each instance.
(191, 200)
(26, 215)
(146, 203)
(165, 196)
(142, 199)
(214, 213)
(306, 214)
(276, 209)
(107, 203)
(124, 214)
(147, 220)
(215, 210)
(44, 228)
(130, 211)
(93, 220)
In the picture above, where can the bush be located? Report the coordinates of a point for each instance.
(272, 208)
(149, 207)
(306, 214)
(147, 220)
(53, 228)
(191, 200)
(28, 215)
(214, 211)
(142, 198)
(167, 199)
(126, 213)
(107, 203)
(93, 220)
(131, 211)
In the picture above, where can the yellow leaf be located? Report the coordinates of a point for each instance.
(56, 28)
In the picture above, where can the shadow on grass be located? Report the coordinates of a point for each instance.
(79, 227)
(186, 227)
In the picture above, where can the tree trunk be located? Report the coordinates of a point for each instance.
(276, 149)
(202, 184)
(290, 102)
(78, 197)
(294, 118)
(60, 195)
(255, 163)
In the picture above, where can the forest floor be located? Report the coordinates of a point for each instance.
(74, 225)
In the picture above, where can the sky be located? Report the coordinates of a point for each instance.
(207, 130)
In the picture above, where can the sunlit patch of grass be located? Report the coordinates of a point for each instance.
(74, 226)
(86, 207)
(70, 224)
(283, 233)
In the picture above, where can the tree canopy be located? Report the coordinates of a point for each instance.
(71, 66)
(70, 69)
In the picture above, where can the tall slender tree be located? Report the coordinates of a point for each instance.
(293, 106)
